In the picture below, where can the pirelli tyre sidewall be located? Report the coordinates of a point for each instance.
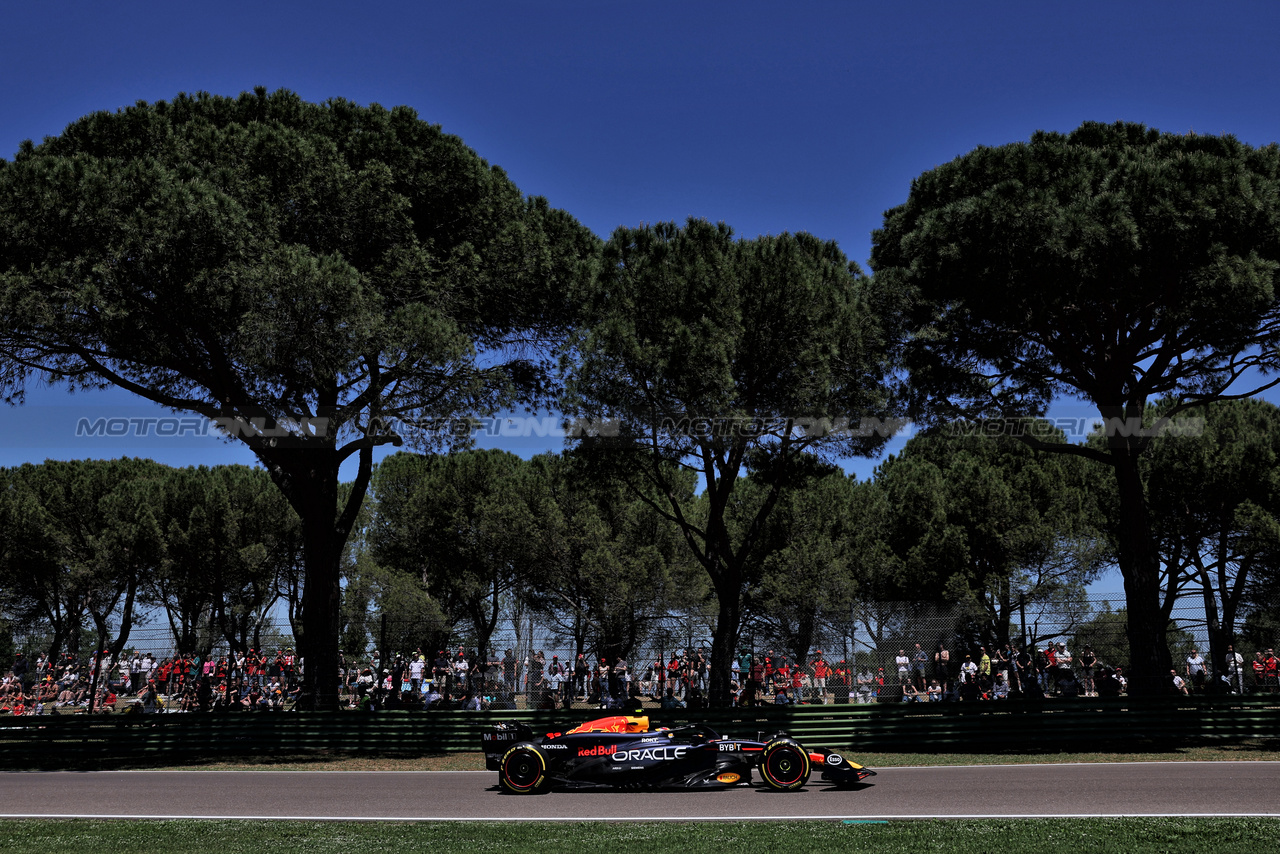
(784, 765)
(523, 770)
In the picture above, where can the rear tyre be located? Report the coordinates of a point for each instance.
(523, 770)
(784, 765)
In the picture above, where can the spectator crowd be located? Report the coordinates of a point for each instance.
(251, 680)
(259, 680)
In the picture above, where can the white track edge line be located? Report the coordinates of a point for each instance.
(118, 817)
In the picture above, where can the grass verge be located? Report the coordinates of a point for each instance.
(1103, 836)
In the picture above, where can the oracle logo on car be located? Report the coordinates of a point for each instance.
(598, 750)
(640, 754)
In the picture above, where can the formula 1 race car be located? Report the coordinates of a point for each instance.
(622, 752)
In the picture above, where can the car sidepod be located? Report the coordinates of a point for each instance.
(651, 760)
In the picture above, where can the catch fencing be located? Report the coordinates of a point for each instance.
(1050, 726)
(869, 640)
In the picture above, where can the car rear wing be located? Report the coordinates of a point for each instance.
(499, 737)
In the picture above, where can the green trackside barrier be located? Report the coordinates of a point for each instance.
(45, 740)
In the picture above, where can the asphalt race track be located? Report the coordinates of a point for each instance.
(1178, 788)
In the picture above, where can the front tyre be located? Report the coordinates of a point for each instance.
(784, 765)
(523, 770)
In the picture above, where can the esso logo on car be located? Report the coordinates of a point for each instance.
(834, 758)
(650, 753)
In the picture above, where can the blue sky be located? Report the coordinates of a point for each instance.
(772, 117)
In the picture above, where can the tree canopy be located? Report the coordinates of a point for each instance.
(1215, 499)
(470, 528)
(723, 357)
(313, 276)
(988, 522)
(1115, 263)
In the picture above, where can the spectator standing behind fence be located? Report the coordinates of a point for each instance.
(820, 674)
(476, 675)
(863, 682)
(568, 688)
(1235, 669)
(1088, 661)
(622, 673)
(1196, 671)
(984, 662)
(700, 669)
(534, 676)
(416, 668)
(919, 663)
(20, 668)
(581, 676)
(904, 666)
(1046, 663)
(1065, 660)
(461, 670)
(440, 671)
(942, 664)
(555, 678)
(755, 680)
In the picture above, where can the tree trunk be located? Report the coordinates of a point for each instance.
(724, 639)
(309, 479)
(1149, 659)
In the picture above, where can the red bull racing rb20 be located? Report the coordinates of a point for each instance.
(621, 752)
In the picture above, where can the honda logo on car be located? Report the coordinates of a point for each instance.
(598, 750)
(640, 754)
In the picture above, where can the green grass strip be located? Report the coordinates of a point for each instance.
(1025, 836)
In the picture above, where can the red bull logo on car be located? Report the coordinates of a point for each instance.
(599, 750)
